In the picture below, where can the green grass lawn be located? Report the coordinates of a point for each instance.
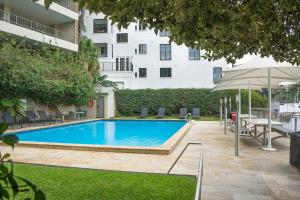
(202, 118)
(83, 184)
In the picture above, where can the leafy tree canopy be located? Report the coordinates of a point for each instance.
(228, 28)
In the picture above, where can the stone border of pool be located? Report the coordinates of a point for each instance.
(165, 149)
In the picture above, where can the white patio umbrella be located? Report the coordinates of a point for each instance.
(261, 73)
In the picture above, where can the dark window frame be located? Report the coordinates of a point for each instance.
(165, 72)
(217, 73)
(102, 28)
(142, 48)
(163, 51)
(120, 39)
(142, 26)
(98, 45)
(142, 74)
(164, 33)
(194, 54)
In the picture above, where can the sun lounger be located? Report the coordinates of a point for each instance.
(182, 113)
(44, 117)
(284, 132)
(32, 117)
(8, 118)
(1, 118)
(196, 113)
(144, 112)
(161, 113)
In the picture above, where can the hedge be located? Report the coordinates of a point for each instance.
(129, 102)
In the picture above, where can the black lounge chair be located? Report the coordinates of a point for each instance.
(161, 113)
(8, 118)
(32, 117)
(44, 117)
(196, 113)
(1, 118)
(183, 113)
(144, 112)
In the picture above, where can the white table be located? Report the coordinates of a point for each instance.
(78, 113)
(262, 122)
(243, 116)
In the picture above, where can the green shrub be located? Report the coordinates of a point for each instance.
(47, 74)
(130, 102)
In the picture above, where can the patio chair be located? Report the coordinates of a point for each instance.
(182, 113)
(44, 117)
(161, 113)
(8, 118)
(144, 112)
(196, 112)
(32, 117)
(72, 116)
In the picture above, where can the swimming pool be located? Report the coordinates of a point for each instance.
(139, 133)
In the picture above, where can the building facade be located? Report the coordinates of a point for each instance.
(57, 26)
(137, 58)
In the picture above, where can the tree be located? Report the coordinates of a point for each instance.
(227, 28)
(103, 81)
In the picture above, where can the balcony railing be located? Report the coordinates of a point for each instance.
(111, 66)
(68, 4)
(35, 26)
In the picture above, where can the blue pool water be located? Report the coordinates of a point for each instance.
(107, 132)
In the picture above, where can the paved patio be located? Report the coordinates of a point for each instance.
(255, 174)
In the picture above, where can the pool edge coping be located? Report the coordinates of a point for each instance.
(165, 149)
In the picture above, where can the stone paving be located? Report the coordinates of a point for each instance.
(255, 174)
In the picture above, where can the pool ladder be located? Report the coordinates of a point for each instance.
(188, 117)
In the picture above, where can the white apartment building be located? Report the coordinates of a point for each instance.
(57, 26)
(137, 58)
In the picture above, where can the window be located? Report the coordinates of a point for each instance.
(122, 37)
(142, 26)
(100, 26)
(142, 48)
(117, 64)
(165, 52)
(165, 72)
(194, 54)
(102, 49)
(142, 72)
(123, 64)
(217, 73)
(164, 33)
(127, 64)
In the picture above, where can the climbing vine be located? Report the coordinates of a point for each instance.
(47, 74)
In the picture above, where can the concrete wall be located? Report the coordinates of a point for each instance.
(50, 109)
(109, 102)
(91, 110)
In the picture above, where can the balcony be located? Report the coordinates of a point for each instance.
(35, 26)
(68, 4)
(112, 67)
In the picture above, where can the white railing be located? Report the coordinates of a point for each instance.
(199, 175)
(35, 26)
(111, 66)
(188, 118)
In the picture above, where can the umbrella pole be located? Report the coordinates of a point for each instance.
(250, 105)
(250, 100)
(269, 147)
